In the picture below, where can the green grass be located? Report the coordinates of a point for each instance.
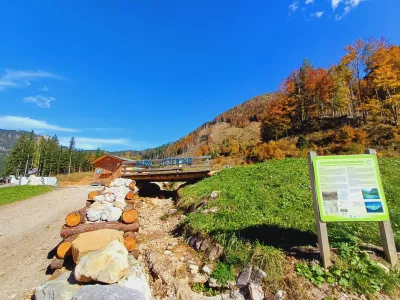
(17, 193)
(276, 196)
(266, 209)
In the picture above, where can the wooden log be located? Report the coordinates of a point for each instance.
(56, 264)
(129, 196)
(71, 238)
(93, 194)
(64, 249)
(75, 218)
(130, 244)
(132, 185)
(130, 216)
(107, 184)
(87, 227)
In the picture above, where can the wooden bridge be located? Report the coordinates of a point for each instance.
(167, 169)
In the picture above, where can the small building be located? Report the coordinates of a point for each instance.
(109, 167)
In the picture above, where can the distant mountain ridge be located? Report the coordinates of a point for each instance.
(241, 122)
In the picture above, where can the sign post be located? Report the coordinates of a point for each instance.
(348, 188)
(322, 231)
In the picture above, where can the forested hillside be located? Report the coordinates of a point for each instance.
(345, 108)
(47, 156)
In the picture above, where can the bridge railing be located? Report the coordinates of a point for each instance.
(167, 166)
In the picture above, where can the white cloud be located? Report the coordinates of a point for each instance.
(21, 78)
(309, 1)
(88, 143)
(335, 3)
(349, 5)
(293, 7)
(318, 14)
(39, 100)
(25, 123)
(45, 88)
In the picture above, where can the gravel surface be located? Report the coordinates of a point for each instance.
(29, 230)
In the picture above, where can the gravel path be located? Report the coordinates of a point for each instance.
(29, 230)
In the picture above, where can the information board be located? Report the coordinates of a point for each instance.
(349, 188)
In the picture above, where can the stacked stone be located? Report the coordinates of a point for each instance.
(110, 208)
(99, 247)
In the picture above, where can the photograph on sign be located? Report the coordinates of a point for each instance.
(349, 188)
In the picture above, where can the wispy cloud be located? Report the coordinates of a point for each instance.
(335, 3)
(45, 88)
(25, 123)
(293, 7)
(39, 100)
(21, 78)
(89, 143)
(309, 1)
(318, 14)
(349, 5)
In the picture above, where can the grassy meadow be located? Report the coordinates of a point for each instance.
(18, 193)
(266, 210)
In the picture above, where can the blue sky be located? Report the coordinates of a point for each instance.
(139, 73)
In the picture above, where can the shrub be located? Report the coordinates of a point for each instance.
(223, 273)
(302, 142)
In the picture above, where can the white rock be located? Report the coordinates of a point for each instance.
(93, 215)
(280, 295)
(207, 270)
(214, 195)
(136, 279)
(167, 252)
(120, 204)
(256, 292)
(115, 214)
(106, 265)
(193, 269)
(105, 214)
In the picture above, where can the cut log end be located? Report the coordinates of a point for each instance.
(130, 243)
(73, 219)
(129, 196)
(132, 185)
(64, 249)
(130, 216)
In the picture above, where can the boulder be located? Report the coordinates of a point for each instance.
(215, 252)
(120, 204)
(258, 275)
(244, 277)
(214, 195)
(61, 288)
(93, 215)
(94, 240)
(107, 292)
(106, 265)
(256, 291)
(136, 279)
(115, 214)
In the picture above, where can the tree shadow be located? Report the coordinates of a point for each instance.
(278, 237)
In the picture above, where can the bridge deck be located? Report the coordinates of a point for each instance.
(170, 169)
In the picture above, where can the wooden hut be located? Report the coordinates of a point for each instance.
(109, 167)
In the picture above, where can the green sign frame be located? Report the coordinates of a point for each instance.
(349, 188)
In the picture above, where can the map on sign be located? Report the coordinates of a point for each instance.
(349, 188)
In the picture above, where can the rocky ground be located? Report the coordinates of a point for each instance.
(29, 230)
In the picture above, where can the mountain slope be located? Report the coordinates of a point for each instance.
(7, 141)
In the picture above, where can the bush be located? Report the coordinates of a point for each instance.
(302, 142)
(223, 273)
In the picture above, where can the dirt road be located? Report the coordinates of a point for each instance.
(29, 230)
